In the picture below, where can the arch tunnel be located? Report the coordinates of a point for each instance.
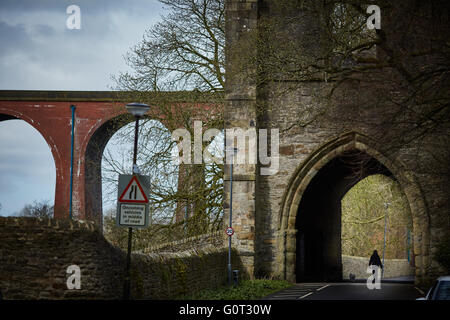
(318, 223)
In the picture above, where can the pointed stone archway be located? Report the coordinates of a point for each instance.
(295, 218)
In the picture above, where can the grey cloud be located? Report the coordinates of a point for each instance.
(42, 54)
(88, 7)
(30, 5)
(13, 37)
(45, 30)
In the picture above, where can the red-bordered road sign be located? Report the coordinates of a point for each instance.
(133, 193)
(229, 231)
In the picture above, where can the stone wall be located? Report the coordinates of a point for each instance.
(35, 254)
(168, 275)
(317, 127)
(358, 266)
(204, 241)
(240, 112)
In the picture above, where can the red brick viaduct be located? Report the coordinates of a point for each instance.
(49, 112)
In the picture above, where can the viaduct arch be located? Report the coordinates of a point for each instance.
(49, 112)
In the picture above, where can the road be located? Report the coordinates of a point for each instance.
(347, 291)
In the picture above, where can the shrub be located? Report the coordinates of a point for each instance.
(246, 290)
(442, 254)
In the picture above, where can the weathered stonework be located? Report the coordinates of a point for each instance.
(210, 240)
(35, 254)
(276, 209)
(240, 112)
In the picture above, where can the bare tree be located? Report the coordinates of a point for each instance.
(364, 214)
(184, 52)
(391, 83)
(329, 43)
(42, 209)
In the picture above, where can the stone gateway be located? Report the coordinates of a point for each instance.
(341, 117)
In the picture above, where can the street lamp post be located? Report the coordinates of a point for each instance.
(234, 151)
(386, 206)
(137, 110)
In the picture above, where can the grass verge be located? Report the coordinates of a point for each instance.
(246, 290)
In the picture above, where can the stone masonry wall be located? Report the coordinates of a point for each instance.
(310, 122)
(358, 266)
(168, 275)
(35, 254)
(240, 112)
(204, 241)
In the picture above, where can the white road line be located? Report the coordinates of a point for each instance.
(299, 292)
(322, 287)
(308, 294)
(289, 293)
(309, 285)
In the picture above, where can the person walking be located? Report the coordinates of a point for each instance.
(375, 261)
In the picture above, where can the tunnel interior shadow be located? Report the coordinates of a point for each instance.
(318, 223)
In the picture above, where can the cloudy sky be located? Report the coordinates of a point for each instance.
(39, 52)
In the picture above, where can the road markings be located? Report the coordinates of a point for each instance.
(295, 292)
(298, 292)
(287, 296)
(308, 294)
(323, 287)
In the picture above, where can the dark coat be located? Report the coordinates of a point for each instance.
(375, 260)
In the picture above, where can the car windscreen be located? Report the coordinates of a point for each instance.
(443, 291)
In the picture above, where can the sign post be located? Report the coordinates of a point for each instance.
(230, 226)
(133, 193)
(229, 231)
(132, 212)
(132, 203)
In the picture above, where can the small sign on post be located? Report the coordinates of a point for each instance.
(229, 231)
(132, 203)
(133, 215)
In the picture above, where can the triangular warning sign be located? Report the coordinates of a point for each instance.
(133, 192)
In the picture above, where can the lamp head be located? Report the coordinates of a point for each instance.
(137, 109)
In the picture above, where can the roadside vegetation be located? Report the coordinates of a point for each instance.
(442, 254)
(365, 219)
(246, 290)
